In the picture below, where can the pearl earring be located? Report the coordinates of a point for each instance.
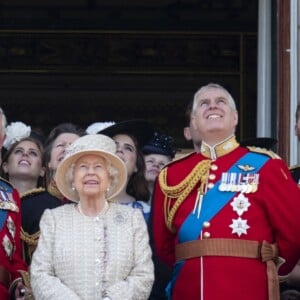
(73, 188)
(107, 191)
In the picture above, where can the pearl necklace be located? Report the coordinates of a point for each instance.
(103, 210)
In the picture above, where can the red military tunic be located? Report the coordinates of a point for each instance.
(272, 214)
(10, 243)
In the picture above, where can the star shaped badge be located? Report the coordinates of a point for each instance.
(240, 204)
(239, 226)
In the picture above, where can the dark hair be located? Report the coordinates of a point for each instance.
(137, 186)
(54, 133)
(32, 138)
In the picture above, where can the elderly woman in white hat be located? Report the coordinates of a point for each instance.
(92, 249)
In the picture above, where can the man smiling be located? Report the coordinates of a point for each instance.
(222, 217)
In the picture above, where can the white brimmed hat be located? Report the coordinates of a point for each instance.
(96, 144)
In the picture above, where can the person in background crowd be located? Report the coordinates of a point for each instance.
(130, 136)
(20, 140)
(225, 210)
(189, 132)
(12, 267)
(290, 288)
(158, 152)
(295, 170)
(94, 248)
(23, 166)
(58, 139)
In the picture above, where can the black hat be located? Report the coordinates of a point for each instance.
(140, 129)
(160, 144)
(262, 142)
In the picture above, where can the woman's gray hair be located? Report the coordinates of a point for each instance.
(4, 121)
(112, 171)
(213, 86)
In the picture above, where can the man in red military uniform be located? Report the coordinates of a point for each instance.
(11, 263)
(225, 217)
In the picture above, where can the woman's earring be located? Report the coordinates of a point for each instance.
(73, 188)
(107, 191)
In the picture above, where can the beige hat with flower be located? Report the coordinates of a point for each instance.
(96, 144)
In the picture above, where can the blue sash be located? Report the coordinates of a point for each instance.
(213, 201)
(3, 212)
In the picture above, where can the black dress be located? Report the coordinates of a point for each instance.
(33, 204)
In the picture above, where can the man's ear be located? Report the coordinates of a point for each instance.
(236, 118)
(187, 133)
(193, 122)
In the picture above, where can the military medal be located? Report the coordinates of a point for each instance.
(240, 204)
(8, 246)
(7, 202)
(239, 226)
(232, 186)
(255, 183)
(223, 185)
(3, 196)
(11, 226)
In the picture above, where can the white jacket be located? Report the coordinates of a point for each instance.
(89, 258)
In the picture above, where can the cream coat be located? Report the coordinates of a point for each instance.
(89, 258)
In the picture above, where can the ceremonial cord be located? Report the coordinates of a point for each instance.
(182, 190)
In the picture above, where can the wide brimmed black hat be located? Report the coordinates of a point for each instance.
(262, 142)
(141, 129)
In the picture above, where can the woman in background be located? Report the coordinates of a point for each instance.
(130, 136)
(24, 168)
(58, 139)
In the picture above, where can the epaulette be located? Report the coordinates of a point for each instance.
(291, 168)
(32, 192)
(180, 157)
(6, 181)
(264, 151)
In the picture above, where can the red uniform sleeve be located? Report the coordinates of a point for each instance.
(163, 238)
(10, 243)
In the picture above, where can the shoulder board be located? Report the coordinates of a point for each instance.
(32, 192)
(5, 182)
(264, 151)
(294, 167)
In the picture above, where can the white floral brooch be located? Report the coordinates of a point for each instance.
(16, 131)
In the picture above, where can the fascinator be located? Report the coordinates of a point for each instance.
(98, 126)
(160, 144)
